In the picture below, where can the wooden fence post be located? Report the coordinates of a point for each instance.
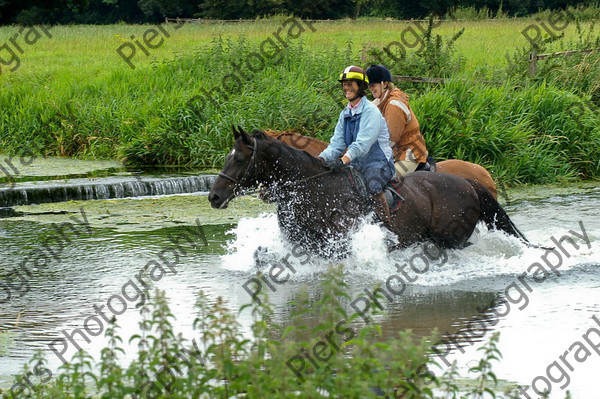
(532, 64)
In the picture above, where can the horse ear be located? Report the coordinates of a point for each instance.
(246, 139)
(236, 134)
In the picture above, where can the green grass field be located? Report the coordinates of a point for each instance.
(73, 95)
(91, 50)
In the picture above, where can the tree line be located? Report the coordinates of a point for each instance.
(32, 12)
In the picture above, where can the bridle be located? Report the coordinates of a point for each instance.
(250, 164)
(238, 182)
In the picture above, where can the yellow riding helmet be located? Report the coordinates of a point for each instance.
(354, 73)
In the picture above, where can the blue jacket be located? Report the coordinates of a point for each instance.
(366, 136)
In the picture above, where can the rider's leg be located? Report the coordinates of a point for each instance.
(376, 179)
(382, 210)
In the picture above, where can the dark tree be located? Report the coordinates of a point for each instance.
(29, 12)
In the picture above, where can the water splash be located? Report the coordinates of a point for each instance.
(490, 254)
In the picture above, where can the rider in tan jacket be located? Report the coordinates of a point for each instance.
(408, 145)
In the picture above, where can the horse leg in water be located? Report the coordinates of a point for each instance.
(468, 170)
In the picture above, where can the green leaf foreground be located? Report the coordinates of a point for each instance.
(220, 362)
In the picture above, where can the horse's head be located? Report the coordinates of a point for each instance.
(239, 171)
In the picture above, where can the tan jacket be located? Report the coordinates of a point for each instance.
(408, 142)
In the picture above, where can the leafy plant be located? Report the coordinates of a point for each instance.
(221, 362)
(486, 378)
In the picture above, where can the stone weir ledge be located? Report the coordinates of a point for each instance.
(100, 188)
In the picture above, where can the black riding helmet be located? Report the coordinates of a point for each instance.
(378, 74)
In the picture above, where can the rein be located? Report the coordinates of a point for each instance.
(309, 177)
(252, 163)
(258, 190)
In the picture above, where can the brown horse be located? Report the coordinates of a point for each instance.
(456, 167)
(319, 209)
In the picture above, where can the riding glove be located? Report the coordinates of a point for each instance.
(323, 162)
(336, 165)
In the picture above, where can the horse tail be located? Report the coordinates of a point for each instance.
(492, 214)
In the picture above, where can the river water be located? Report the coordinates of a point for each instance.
(543, 320)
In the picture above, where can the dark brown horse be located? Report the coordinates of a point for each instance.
(319, 208)
(457, 167)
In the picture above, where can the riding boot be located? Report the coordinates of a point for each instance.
(382, 210)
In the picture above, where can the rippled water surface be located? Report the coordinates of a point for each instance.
(546, 318)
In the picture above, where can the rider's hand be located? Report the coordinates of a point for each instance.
(323, 162)
(336, 165)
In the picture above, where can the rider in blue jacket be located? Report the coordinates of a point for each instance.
(362, 131)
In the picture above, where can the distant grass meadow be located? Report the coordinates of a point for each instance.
(73, 95)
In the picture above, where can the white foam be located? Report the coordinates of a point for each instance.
(249, 235)
(491, 253)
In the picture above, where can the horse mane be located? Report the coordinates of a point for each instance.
(261, 135)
